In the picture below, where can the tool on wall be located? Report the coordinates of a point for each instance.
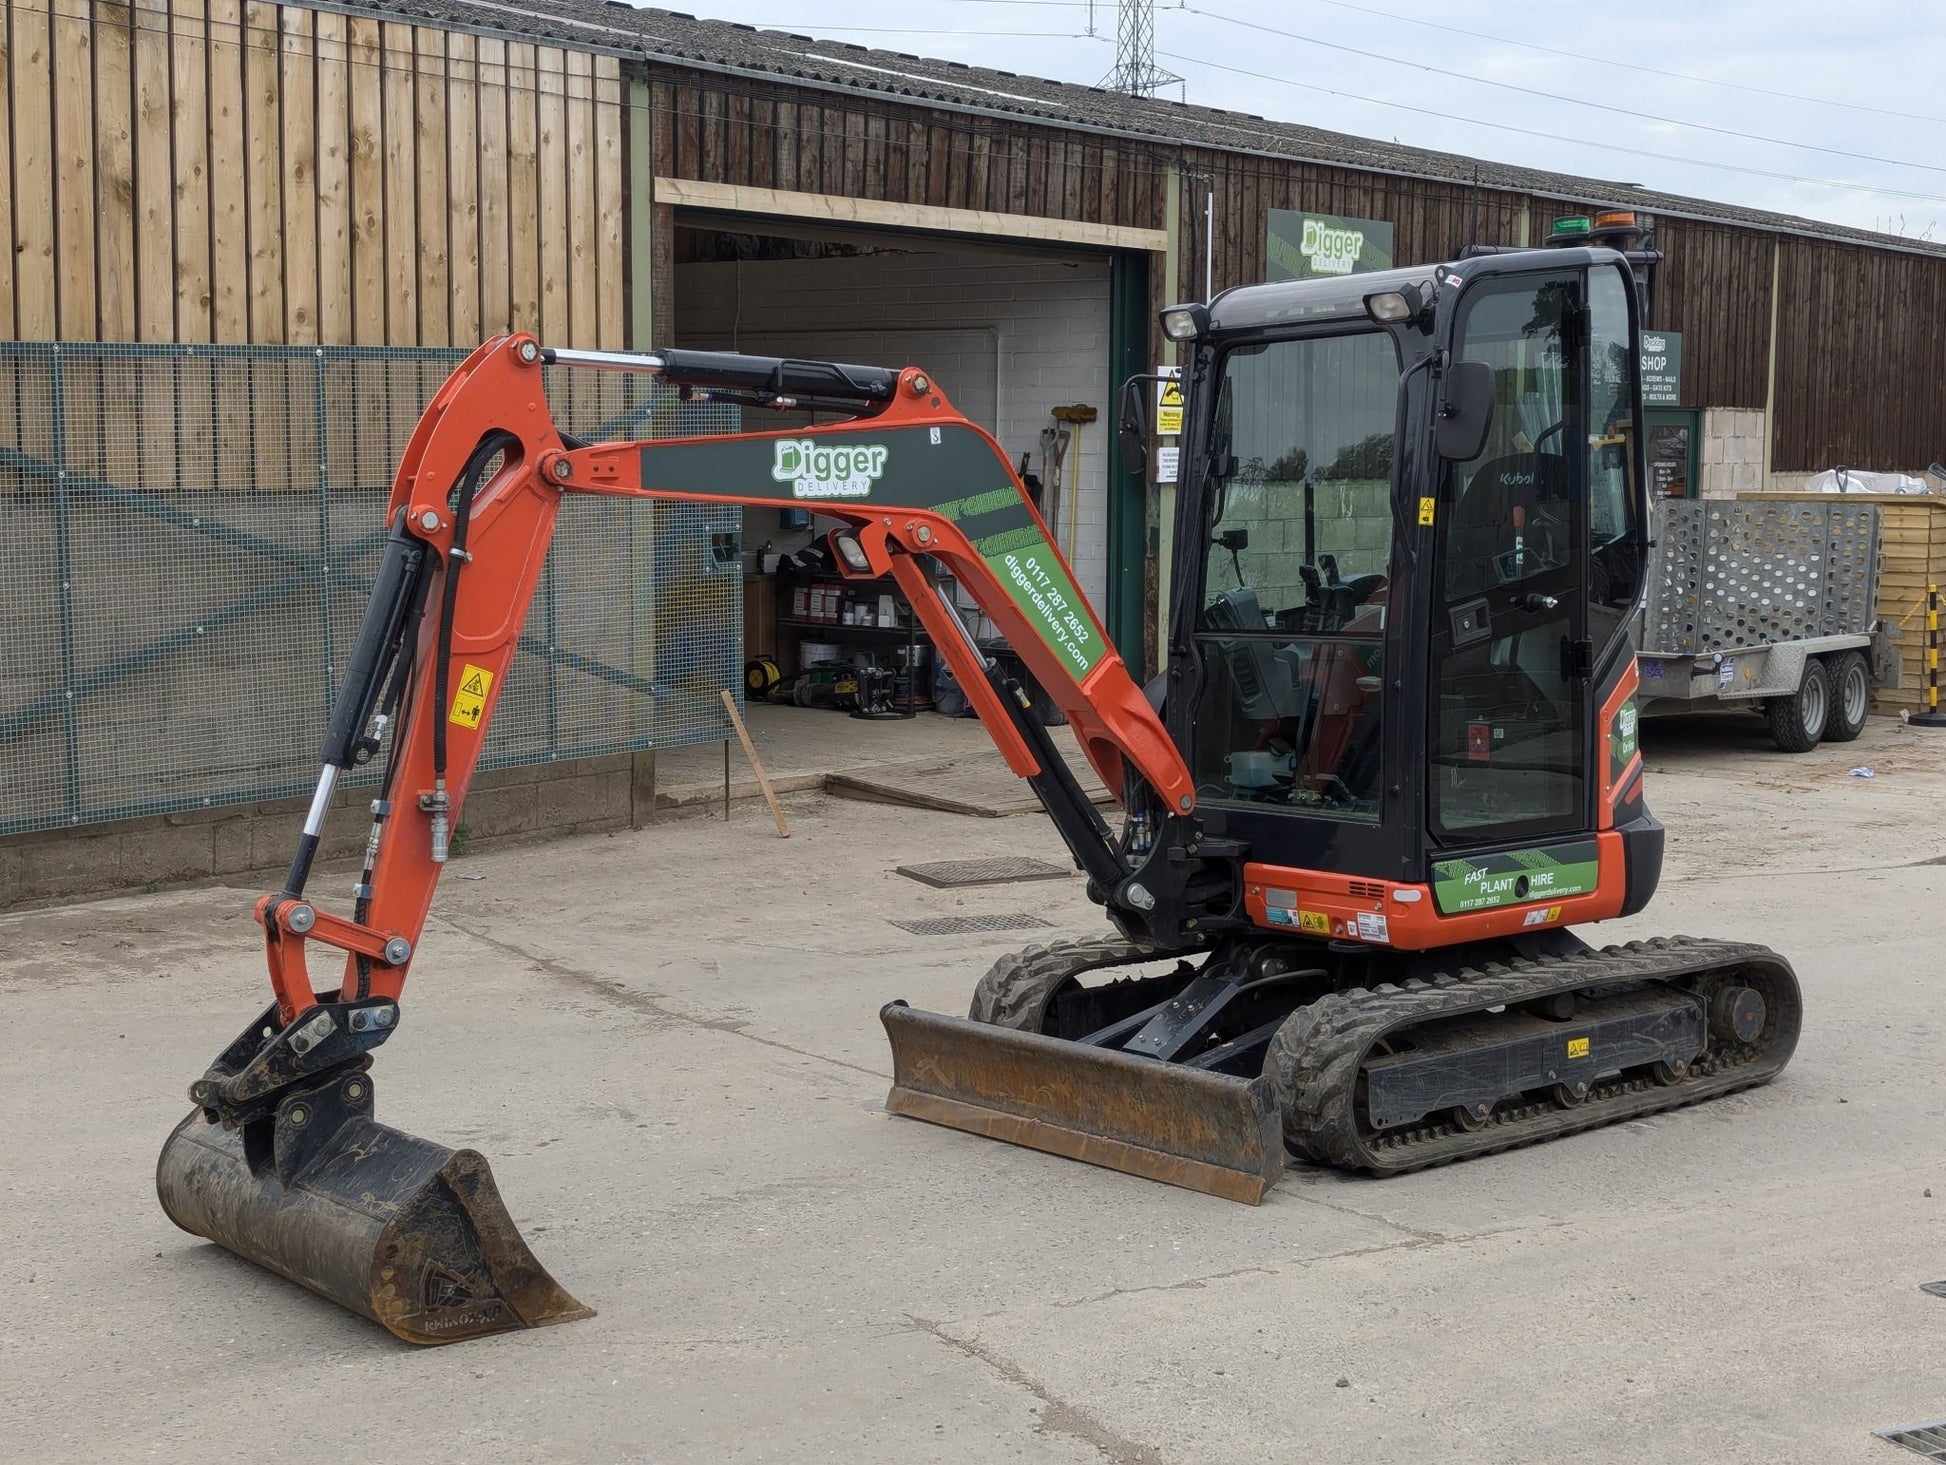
(1073, 419)
(1058, 443)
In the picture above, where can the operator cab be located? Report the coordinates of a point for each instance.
(1383, 646)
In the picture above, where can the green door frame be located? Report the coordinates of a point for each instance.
(1687, 417)
(1128, 351)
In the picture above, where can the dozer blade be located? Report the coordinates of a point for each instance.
(409, 1233)
(1163, 1121)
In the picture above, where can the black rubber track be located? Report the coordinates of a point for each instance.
(1017, 988)
(1315, 1058)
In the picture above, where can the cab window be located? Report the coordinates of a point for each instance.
(1297, 566)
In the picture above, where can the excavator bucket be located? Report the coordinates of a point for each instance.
(1164, 1121)
(409, 1233)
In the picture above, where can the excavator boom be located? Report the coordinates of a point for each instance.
(282, 1161)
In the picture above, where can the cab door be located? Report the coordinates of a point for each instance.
(1509, 639)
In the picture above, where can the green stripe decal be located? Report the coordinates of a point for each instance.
(1047, 597)
(949, 470)
(1518, 877)
(1623, 739)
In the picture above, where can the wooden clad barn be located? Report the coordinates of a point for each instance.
(426, 174)
(210, 170)
(387, 182)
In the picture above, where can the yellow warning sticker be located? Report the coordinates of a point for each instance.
(1168, 404)
(1425, 511)
(1577, 1047)
(1315, 922)
(469, 702)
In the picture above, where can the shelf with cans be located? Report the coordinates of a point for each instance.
(850, 645)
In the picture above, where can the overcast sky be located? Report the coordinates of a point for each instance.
(1843, 105)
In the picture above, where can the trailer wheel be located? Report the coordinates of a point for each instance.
(1797, 722)
(1851, 697)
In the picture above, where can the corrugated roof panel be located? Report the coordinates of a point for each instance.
(674, 37)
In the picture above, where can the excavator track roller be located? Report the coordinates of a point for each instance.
(406, 1232)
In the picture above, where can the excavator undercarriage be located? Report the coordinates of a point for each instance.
(1206, 1074)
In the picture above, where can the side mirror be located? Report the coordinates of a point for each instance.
(1132, 426)
(1465, 411)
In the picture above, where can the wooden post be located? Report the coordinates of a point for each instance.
(750, 752)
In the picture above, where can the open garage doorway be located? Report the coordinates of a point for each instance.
(1010, 333)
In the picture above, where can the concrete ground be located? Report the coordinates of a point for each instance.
(667, 1043)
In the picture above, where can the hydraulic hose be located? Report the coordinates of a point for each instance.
(438, 803)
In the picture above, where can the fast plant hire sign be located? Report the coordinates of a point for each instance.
(1303, 246)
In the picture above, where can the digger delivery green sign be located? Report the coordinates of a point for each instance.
(1303, 246)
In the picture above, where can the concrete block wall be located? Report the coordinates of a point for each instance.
(1354, 523)
(1007, 339)
(1732, 452)
(252, 843)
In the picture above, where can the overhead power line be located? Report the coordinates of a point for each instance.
(1634, 113)
(1735, 86)
(1613, 147)
(788, 27)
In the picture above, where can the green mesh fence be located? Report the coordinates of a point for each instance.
(187, 535)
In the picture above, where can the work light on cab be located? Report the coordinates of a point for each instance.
(1184, 322)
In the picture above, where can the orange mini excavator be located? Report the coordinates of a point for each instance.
(1392, 762)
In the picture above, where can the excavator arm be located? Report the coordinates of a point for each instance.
(281, 1161)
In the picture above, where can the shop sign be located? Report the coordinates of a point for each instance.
(1661, 368)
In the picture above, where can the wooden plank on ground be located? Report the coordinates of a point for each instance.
(756, 766)
(979, 784)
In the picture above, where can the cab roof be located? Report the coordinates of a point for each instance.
(1328, 297)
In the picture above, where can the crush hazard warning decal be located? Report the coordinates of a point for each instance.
(469, 700)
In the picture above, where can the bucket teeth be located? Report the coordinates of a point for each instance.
(408, 1233)
(1164, 1121)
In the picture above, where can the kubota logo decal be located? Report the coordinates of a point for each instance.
(817, 470)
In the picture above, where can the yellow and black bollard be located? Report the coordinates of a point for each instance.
(1932, 716)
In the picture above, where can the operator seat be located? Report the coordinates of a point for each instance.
(1483, 519)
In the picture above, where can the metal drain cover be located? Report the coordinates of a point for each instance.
(961, 925)
(1927, 1439)
(1000, 871)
